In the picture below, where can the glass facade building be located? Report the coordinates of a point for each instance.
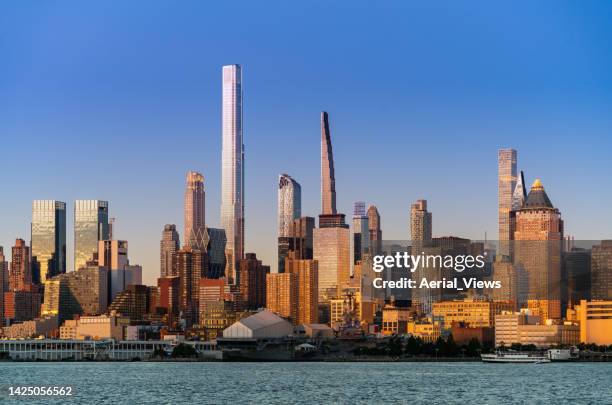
(48, 243)
(90, 226)
(232, 169)
(289, 203)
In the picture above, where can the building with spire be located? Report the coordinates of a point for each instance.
(332, 238)
(232, 169)
(194, 211)
(538, 241)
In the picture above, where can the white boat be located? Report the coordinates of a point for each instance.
(514, 357)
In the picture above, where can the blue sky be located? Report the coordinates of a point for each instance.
(117, 100)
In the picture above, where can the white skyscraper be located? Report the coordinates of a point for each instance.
(289, 203)
(232, 170)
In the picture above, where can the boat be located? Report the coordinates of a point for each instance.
(515, 357)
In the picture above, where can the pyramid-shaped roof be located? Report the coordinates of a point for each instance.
(537, 197)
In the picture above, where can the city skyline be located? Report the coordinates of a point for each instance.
(564, 142)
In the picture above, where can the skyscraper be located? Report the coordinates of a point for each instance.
(4, 283)
(420, 224)
(289, 203)
(20, 276)
(375, 231)
(191, 267)
(215, 250)
(361, 231)
(289, 209)
(538, 238)
(601, 271)
(252, 281)
(422, 242)
(282, 295)
(168, 246)
(519, 195)
(328, 179)
(90, 226)
(506, 183)
(113, 254)
(332, 238)
(232, 170)
(194, 211)
(48, 241)
(307, 277)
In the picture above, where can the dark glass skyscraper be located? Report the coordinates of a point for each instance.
(48, 239)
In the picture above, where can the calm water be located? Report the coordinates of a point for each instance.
(281, 383)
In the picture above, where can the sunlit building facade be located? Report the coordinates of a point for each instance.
(194, 211)
(232, 169)
(333, 253)
(83, 292)
(90, 226)
(168, 246)
(537, 246)
(506, 183)
(282, 295)
(289, 209)
(20, 274)
(48, 241)
(374, 230)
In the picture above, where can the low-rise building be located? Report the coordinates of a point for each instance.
(507, 323)
(95, 327)
(45, 326)
(595, 319)
(527, 329)
(427, 330)
(263, 325)
(463, 334)
(395, 319)
(477, 313)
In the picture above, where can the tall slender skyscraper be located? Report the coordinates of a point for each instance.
(90, 226)
(168, 246)
(506, 183)
(420, 224)
(48, 242)
(328, 179)
(232, 170)
(332, 238)
(194, 211)
(4, 283)
(375, 231)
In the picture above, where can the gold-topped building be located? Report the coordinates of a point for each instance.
(538, 237)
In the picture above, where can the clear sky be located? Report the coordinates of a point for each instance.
(116, 100)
